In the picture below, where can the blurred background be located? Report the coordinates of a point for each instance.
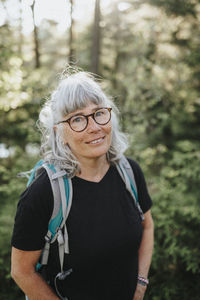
(148, 54)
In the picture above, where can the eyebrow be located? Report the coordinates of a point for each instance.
(82, 114)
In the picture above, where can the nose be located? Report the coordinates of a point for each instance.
(92, 125)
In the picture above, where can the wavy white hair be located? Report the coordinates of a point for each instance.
(75, 92)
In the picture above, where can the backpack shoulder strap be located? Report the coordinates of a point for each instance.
(33, 173)
(62, 200)
(62, 194)
(126, 172)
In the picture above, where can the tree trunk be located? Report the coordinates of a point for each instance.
(95, 51)
(36, 39)
(20, 42)
(72, 57)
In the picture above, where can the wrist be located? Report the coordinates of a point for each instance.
(142, 280)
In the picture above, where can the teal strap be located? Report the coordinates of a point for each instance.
(126, 172)
(132, 186)
(32, 176)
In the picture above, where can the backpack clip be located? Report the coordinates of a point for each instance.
(60, 237)
(59, 174)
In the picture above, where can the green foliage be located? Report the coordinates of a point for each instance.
(11, 187)
(154, 76)
(178, 7)
(176, 261)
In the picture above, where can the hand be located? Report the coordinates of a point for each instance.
(139, 292)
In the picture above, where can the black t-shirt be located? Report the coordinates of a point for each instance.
(104, 229)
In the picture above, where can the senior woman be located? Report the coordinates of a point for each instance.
(110, 247)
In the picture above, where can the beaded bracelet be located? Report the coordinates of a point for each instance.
(143, 281)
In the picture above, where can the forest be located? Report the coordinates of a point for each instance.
(146, 54)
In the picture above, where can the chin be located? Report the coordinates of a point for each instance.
(97, 154)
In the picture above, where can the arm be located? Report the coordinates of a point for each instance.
(23, 272)
(145, 253)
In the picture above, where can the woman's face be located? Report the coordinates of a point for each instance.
(93, 142)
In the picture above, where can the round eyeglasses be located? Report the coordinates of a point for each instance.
(79, 123)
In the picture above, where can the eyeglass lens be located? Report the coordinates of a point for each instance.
(101, 117)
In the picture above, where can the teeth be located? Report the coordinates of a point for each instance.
(96, 141)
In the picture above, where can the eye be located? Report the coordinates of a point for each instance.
(100, 113)
(77, 119)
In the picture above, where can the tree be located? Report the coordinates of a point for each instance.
(96, 40)
(35, 38)
(72, 57)
(153, 65)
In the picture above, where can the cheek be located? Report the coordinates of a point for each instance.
(64, 135)
(109, 131)
(73, 140)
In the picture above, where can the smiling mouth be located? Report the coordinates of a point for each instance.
(96, 141)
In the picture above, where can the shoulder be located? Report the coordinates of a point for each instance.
(138, 173)
(34, 209)
(41, 180)
(38, 193)
(41, 183)
(143, 194)
(133, 163)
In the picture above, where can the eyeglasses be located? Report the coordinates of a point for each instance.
(79, 123)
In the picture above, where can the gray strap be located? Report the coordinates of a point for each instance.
(125, 179)
(45, 253)
(64, 247)
(61, 247)
(63, 198)
(66, 240)
(59, 174)
(55, 191)
(121, 167)
(70, 199)
(66, 216)
(66, 208)
(124, 161)
(59, 194)
(60, 238)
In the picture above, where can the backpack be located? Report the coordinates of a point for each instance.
(62, 194)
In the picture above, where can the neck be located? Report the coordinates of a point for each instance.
(93, 169)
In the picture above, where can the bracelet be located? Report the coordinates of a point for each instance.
(143, 281)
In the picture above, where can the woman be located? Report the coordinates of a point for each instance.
(110, 248)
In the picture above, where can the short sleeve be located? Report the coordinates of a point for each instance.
(33, 213)
(143, 194)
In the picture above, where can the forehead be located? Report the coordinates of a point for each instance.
(90, 108)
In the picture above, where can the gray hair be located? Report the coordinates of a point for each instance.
(75, 92)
